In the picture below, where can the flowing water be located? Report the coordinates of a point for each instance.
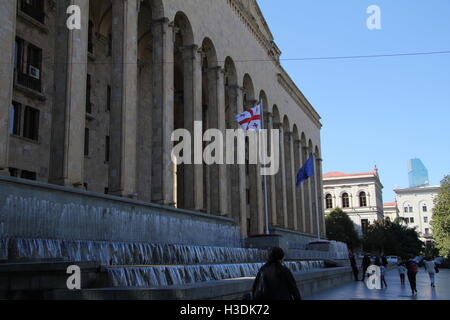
(162, 276)
(122, 253)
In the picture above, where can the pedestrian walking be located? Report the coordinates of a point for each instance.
(431, 268)
(275, 281)
(413, 269)
(366, 262)
(384, 261)
(383, 277)
(402, 272)
(353, 264)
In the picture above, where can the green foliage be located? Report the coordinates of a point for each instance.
(341, 228)
(430, 250)
(392, 238)
(441, 218)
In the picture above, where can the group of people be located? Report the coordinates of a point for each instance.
(409, 269)
(276, 282)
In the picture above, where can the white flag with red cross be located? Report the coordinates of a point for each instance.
(250, 120)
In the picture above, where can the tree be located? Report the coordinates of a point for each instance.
(392, 238)
(341, 228)
(441, 218)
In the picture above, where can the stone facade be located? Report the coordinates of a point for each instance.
(415, 207)
(95, 108)
(359, 195)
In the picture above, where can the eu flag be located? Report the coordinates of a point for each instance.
(306, 171)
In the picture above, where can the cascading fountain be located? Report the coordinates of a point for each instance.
(151, 265)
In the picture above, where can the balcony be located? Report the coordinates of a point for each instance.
(29, 82)
(33, 11)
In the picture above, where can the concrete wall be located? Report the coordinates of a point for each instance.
(37, 210)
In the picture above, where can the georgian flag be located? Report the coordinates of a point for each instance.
(250, 119)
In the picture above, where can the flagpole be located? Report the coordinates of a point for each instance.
(266, 204)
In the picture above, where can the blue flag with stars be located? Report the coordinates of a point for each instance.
(306, 171)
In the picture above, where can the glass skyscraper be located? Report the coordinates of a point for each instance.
(418, 174)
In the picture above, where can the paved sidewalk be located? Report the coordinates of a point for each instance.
(359, 291)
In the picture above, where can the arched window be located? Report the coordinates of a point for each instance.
(362, 199)
(329, 201)
(345, 200)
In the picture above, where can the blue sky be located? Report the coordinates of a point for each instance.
(381, 111)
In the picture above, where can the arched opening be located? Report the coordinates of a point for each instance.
(329, 201)
(288, 173)
(231, 110)
(252, 188)
(145, 98)
(210, 121)
(298, 190)
(345, 200)
(362, 199)
(306, 186)
(280, 199)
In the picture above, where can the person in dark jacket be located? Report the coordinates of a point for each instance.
(365, 264)
(352, 259)
(384, 261)
(275, 281)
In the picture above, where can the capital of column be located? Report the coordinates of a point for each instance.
(162, 22)
(268, 115)
(277, 125)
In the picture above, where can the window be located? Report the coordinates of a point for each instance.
(107, 146)
(108, 98)
(24, 121)
(425, 219)
(34, 9)
(427, 231)
(88, 94)
(90, 35)
(31, 123)
(388, 219)
(345, 200)
(362, 199)
(424, 208)
(28, 175)
(411, 220)
(329, 201)
(364, 225)
(410, 209)
(27, 65)
(86, 142)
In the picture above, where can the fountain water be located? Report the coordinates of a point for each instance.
(162, 276)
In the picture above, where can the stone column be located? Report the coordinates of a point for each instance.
(163, 105)
(293, 181)
(7, 39)
(300, 190)
(307, 195)
(283, 178)
(320, 200)
(193, 174)
(272, 183)
(123, 120)
(222, 116)
(69, 104)
(242, 172)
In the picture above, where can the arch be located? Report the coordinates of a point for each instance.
(362, 195)
(329, 201)
(184, 28)
(248, 92)
(345, 200)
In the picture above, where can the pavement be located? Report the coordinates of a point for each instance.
(358, 290)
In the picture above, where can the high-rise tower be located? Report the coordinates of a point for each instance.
(418, 174)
